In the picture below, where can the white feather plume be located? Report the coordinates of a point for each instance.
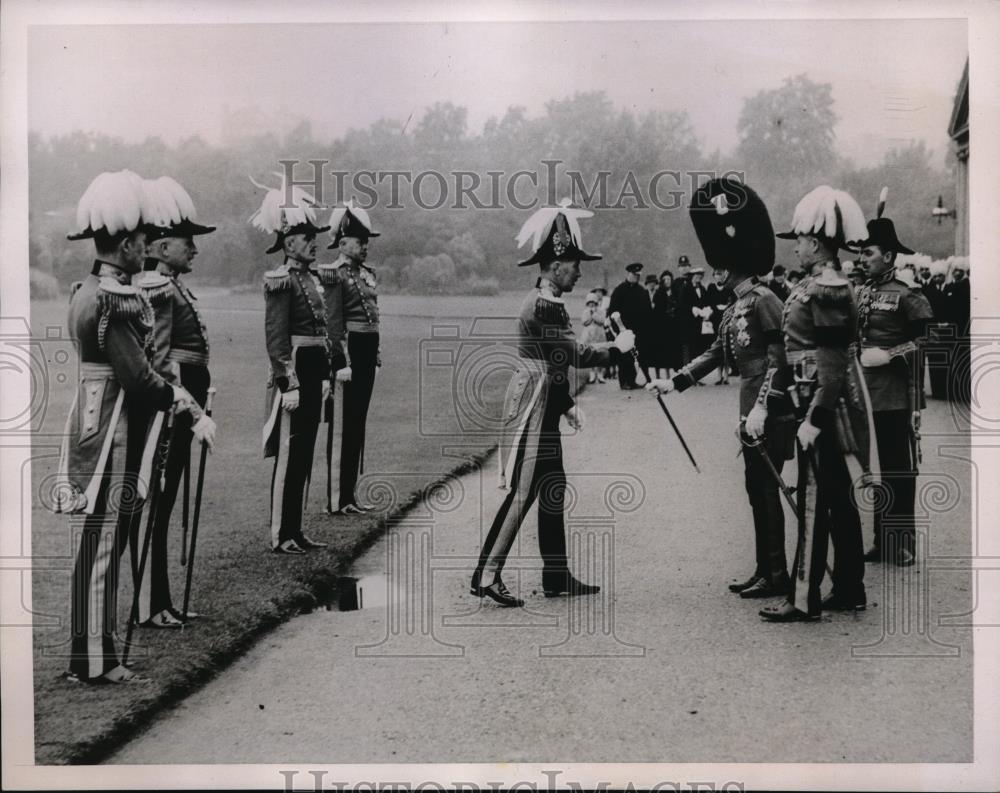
(817, 213)
(165, 202)
(275, 214)
(113, 201)
(537, 227)
(337, 216)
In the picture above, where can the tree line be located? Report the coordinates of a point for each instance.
(636, 169)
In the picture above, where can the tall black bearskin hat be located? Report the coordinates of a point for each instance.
(733, 227)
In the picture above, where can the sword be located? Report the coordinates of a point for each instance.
(198, 488)
(184, 508)
(758, 444)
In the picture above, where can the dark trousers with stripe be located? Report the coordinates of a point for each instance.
(292, 467)
(894, 526)
(765, 500)
(105, 535)
(363, 349)
(826, 512)
(155, 592)
(545, 482)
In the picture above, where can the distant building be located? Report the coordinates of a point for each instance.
(958, 129)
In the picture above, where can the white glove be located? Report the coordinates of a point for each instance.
(663, 386)
(204, 430)
(575, 418)
(326, 390)
(344, 375)
(807, 434)
(290, 400)
(755, 421)
(874, 356)
(182, 398)
(624, 341)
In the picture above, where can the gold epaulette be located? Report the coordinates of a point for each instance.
(120, 301)
(830, 287)
(550, 311)
(328, 274)
(277, 280)
(155, 286)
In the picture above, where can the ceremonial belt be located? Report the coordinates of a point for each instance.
(308, 341)
(800, 356)
(899, 349)
(191, 357)
(96, 370)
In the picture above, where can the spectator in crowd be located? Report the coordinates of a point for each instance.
(777, 283)
(720, 297)
(593, 320)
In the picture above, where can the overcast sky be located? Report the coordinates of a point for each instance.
(892, 80)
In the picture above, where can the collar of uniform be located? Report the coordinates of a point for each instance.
(545, 290)
(744, 286)
(102, 267)
(885, 278)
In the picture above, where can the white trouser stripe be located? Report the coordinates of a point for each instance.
(336, 446)
(95, 596)
(281, 468)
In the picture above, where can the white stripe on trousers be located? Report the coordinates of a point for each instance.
(335, 447)
(280, 470)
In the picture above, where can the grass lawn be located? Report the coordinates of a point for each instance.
(421, 427)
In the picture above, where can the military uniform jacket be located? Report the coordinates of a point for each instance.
(179, 334)
(111, 322)
(749, 335)
(893, 316)
(294, 316)
(820, 324)
(539, 388)
(351, 297)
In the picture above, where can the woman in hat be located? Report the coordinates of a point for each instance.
(593, 320)
(664, 336)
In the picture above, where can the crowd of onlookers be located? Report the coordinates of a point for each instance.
(675, 317)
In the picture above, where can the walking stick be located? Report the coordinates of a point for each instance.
(198, 488)
(156, 486)
(616, 319)
(184, 507)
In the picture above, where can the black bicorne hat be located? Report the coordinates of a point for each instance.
(308, 227)
(350, 221)
(559, 243)
(184, 228)
(882, 232)
(733, 227)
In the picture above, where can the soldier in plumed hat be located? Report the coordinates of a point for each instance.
(735, 231)
(834, 438)
(296, 337)
(180, 356)
(351, 296)
(893, 317)
(537, 398)
(100, 476)
(631, 300)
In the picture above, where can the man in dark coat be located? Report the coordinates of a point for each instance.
(631, 300)
(777, 283)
